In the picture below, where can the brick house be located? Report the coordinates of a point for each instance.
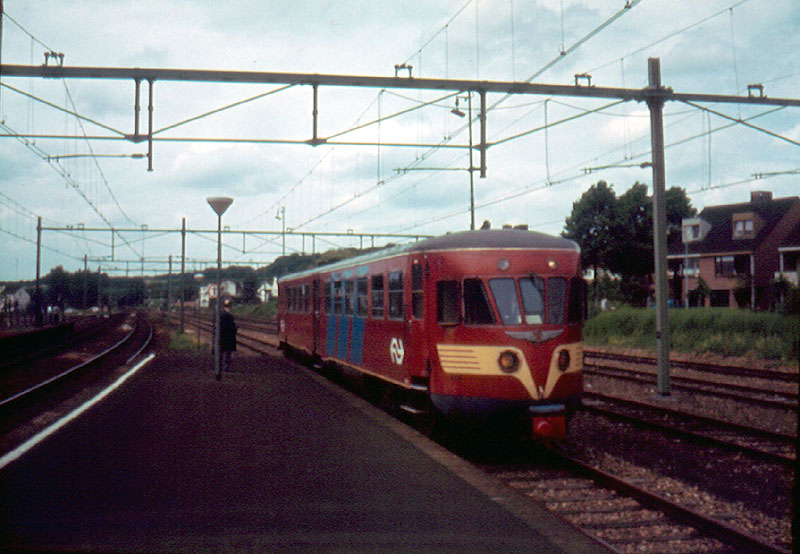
(736, 249)
(789, 251)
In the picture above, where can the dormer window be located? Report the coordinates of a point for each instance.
(694, 229)
(743, 226)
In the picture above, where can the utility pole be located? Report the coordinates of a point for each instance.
(169, 288)
(183, 269)
(655, 102)
(85, 284)
(38, 302)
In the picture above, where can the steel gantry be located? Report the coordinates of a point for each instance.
(655, 95)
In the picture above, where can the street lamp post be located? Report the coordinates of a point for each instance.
(219, 204)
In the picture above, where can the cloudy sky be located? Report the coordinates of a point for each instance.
(534, 171)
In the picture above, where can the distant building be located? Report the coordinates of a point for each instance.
(209, 291)
(267, 290)
(737, 250)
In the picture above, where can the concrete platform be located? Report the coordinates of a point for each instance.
(272, 458)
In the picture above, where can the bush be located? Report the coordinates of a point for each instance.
(720, 331)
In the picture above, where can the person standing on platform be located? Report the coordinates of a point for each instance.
(227, 338)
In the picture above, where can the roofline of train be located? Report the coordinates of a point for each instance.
(504, 239)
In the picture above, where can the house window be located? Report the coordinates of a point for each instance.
(723, 266)
(729, 266)
(743, 228)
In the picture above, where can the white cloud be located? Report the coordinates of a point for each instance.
(335, 188)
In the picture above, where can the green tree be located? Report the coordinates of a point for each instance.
(592, 225)
(616, 233)
(678, 206)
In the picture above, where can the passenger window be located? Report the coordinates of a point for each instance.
(328, 292)
(477, 310)
(396, 295)
(447, 311)
(349, 297)
(338, 298)
(377, 296)
(532, 290)
(361, 296)
(416, 291)
(556, 299)
(505, 297)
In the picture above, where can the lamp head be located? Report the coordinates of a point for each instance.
(219, 203)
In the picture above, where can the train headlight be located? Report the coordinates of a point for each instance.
(508, 362)
(563, 360)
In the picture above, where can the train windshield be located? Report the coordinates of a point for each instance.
(540, 302)
(533, 299)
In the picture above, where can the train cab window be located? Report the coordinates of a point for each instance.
(396, 295)
(349, 297)
(447, 302)
(361, 296)
(328, 294)
(338, 298)
(416, 291)
(556, 299)
(377, 296)
(476, 303)
(532, 290)
(505, 297)
(576, 308)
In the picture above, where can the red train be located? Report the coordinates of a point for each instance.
(477, 325)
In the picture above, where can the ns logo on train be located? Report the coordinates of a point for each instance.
(396, 351)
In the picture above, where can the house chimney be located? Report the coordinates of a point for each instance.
(760, 196)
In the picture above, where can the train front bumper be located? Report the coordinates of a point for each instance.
(525, 418)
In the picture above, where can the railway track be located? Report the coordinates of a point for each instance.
(769, 398)
(31, 388)
(620, 514)
(758, 444)
(703, 367)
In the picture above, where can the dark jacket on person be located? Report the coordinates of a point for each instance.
(227, 337)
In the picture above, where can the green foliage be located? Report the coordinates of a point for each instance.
(719, 331)
(267, 309)
(185, 341)
(591, 224)
(616, 234)
(70, 290)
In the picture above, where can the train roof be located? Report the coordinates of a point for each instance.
(506, 239)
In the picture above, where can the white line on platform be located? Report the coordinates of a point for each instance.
(22, 449)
